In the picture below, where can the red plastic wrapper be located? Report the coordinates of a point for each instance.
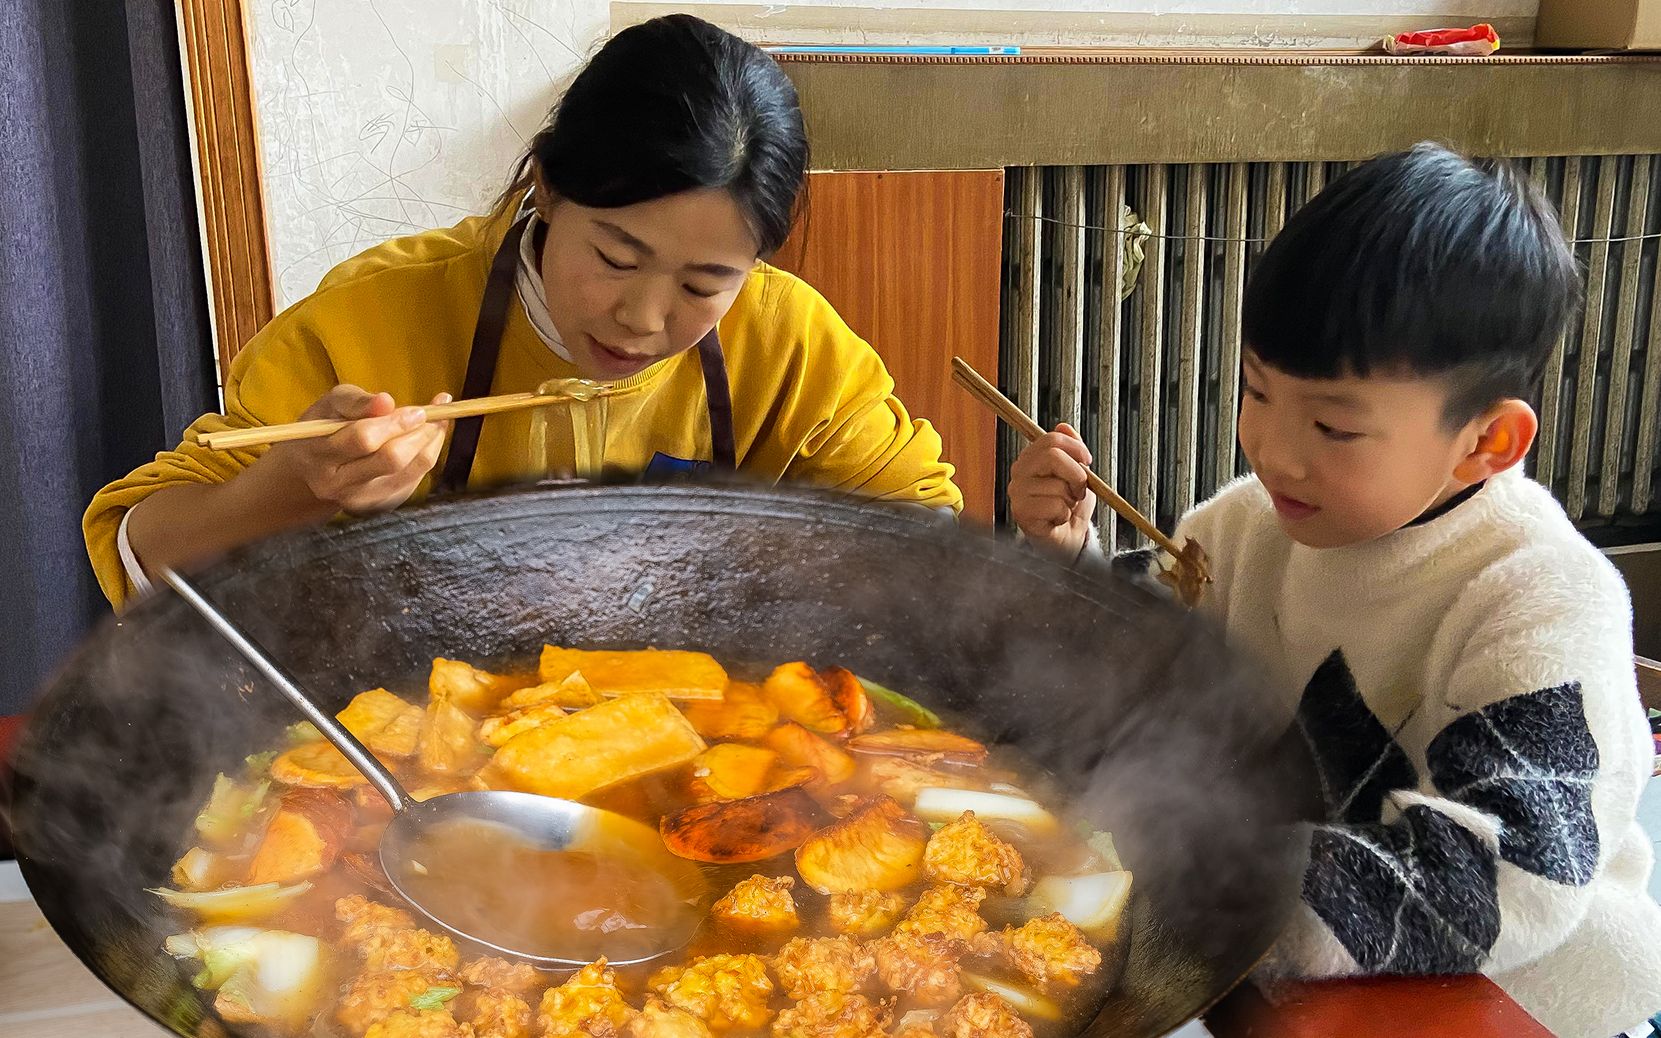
(1478, 41)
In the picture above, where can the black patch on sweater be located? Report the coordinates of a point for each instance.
(1529, 761)
(1417, 896)
(1356, 759)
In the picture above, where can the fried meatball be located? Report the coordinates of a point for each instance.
(953, 911)
(809, 964)
(518, 978)
(587, 1004)
(360, 918)
(659, 1019)
(726, 991)
(759, 904)
(982, 1016)
(409, 950)
(864, 913)
(921, 965)
(967, 853)
(428, 1023)
(833, 1014)
(1046, 950)
(372, 997)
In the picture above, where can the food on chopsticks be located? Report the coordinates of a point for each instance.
(871, 868)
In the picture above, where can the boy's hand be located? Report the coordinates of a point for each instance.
(1048, 496)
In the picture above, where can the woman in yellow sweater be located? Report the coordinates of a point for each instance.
(629, 250)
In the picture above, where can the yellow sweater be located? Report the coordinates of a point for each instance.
(811, 400)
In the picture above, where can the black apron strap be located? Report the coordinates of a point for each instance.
(718, 395)
(481, 361)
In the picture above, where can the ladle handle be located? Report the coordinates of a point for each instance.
(332, 730)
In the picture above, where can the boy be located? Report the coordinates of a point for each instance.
(1459, 658)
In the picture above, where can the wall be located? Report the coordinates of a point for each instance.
(383, 117)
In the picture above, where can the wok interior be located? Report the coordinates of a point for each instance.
(1133, 705)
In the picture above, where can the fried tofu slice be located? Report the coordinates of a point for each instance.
(502, 729)
(601, 746)
(573, 692)
(743, 713)
(411, 1023)
(864, 913)
(834, 1014)
(831, 701)
(659, 1019)
(950, 910)
(727, 992)
(922, 966)
(809, 964)
(386, 724)
(448, 743)
(361, 919)
(316, 765)
(1048, 950)
(469, 688)
(760, 904)
(587, 1004)
(674, 673)
(969, 854)
(372, 997)
(982, 1015)
(500, 1013)
(879, 846)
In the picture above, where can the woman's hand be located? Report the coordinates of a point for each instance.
(372, 465)
(1048, 495)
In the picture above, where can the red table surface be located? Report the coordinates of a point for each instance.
(1385, 1007)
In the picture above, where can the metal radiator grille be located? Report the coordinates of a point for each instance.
(1152, 379)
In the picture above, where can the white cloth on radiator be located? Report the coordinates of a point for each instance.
(1468, 689)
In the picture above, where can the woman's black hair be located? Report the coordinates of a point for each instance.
(670, 105)
(1421, 263)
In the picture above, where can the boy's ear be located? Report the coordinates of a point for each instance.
(1505, 432)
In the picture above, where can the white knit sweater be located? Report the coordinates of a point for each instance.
(1467, 687)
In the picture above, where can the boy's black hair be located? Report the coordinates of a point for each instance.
(1419, 263)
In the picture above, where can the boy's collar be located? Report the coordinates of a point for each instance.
(1447, 506)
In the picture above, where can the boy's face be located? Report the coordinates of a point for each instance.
(1349, 459)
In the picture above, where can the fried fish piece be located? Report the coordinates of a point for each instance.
(587, 1004)
(519, 978)
(411, 949)
(361, 918)
(728, 992)
(809, 964)
(921, 965)
(864, 913)
(659, 1019)
(969, 854)
(1046, 950)
(372, 997)
(946, 909)
(760, 904)
(834, 1014)
(982, 1016)
(424, 1023)
(499, 1013)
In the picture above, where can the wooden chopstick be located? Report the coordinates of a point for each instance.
(232, 439)
(965, 375)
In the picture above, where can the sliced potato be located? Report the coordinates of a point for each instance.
(753, 829)
(731, 771)
(601, 746)
(877, 847)
(799, 747)
(814, 700)
(316, 765)
(1094, 903)
(383, 722)
(473, 690)
(304, 838)
(670, 672)
(448, 744)
(233, 904)
(946, 805)
(743, 713)
(919, 743)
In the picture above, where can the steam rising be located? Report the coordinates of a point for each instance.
(1131, 704)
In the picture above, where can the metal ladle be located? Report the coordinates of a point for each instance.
(545, 823)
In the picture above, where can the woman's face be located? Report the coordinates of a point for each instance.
(632, 286)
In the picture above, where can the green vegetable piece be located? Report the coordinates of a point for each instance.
(908, 710)
(434, 998)
(301, 732)
(260, 763)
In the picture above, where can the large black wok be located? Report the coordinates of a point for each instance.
(1160, 734)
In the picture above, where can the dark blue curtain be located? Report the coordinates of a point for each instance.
(105, 347)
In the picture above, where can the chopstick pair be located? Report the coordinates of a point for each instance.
(575, 391)
(1189, 571)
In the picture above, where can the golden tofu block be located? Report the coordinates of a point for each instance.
(386, 724)
(670, 672)
(596, 748)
